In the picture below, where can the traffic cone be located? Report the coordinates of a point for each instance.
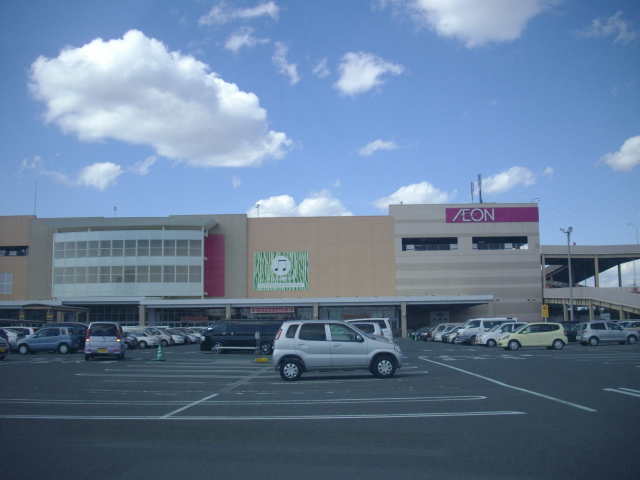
(159, 357)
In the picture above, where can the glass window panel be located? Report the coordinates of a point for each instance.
(195, 248)
(156, 248)
(182, 273)
(169, 274)
(169, 248)
(82, 244)
(182, 248)
(155, 273)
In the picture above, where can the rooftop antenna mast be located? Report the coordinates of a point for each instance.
(480, 187)
(472, 188)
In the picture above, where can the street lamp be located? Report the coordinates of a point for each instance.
(258, 209)
(634, 261)
(568, 232)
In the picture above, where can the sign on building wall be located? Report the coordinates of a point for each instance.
(280, 271)
(492, 214)
(439, 317)
(273, 310)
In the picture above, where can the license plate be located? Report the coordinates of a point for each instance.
(102, 350)
(1, 349)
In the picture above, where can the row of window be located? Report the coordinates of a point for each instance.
(128, 274)
(14, 251)
(451, 243)
(128, 248)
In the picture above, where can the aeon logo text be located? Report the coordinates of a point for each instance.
(475, 215)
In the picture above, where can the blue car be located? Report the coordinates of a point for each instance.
(50, 339)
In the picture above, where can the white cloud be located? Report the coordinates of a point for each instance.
(614, 25)
(548, 172)
(416, 193)
(475, 22)
(134, 90)
(361, 71)
(235, 181)
(99, 175)
(243, 37)
(222, 13)
(320, 204)
(142, 167)
(321, 70)
(627, 157)
(505, 181)
(280, 60)
(35, 164)
(371, 147)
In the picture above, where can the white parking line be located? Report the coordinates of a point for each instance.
(626, 391)
(512, 387)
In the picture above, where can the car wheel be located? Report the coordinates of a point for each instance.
(217, 346)
(23, 349)
(557, 344)
(164, 343)
(63, 348)
(266, 348)
(632, 339)
(142, 344)
(127, 346)
(87, 357)
(514, 345)
(384, 367)
(491, 342)
(472, 340)
(290, 370)
(593, 341)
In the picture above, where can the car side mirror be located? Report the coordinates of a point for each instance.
(359, 339)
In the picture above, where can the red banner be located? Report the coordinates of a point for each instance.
(272, 310)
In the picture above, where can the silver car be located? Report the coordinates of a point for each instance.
(104, 339)
(592, 333)
(320, 345)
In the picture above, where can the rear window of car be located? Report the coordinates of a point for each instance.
(291, 331)
(104, 329)
(598, 326)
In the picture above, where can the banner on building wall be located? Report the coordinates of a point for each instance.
(273, 310)
(280, 271)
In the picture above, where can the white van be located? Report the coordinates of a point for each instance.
(476, 326)
(385, 325)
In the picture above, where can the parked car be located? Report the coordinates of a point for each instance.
(371, 328)
(190, 336)
(50, 339)
(490, 338)
(385, 325)
(550, 335)
(163, 338)
(437, 331)
(178, 337)
(475, 326)
(130, 340)
(437, 337)
(592, 333)
(145, 339)
(80, 329)
(632, 325)
(426, 335)
(241, 333)
(4, 348)
(451, 336)
(417, 334)
(104, 339)
(572, 330)
(26, 331)
(318, 345)
(12, 337)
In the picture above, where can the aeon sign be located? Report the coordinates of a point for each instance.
(490, 215)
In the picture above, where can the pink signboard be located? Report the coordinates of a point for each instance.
(491, 214)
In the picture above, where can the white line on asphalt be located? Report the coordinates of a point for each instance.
(626, 391)
(188, 406)
(245, 418)
(512, 387)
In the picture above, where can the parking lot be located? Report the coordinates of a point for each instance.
(452, 411)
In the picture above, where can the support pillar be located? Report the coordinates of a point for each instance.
(591, 316)
(142, 315)
(403, 319)
(619, 276)
(315, 311)
(596, 271)
(565, 312)
(227, 311)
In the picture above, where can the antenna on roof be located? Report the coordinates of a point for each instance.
(472, 188)
(480, 187)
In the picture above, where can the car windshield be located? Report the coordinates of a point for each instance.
(517, 330)
(366, 335)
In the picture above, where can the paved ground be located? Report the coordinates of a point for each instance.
(453, 412)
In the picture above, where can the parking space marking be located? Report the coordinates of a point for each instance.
(626, 391)
(575, 405)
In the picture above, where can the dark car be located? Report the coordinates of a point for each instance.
(130, 340)
(241, 334)
(572, 330)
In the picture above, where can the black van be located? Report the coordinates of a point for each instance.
(241, 333)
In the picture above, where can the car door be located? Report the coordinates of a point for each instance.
(530, 336)
(615, 332)
(313, 345)
(38, 341)
(51, 340)
(348, 347)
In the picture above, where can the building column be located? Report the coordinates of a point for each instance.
(227, 311)
(565, 312)
(619, 276)
(315, 311)
(403, 319)
(597, 271)
(591, 315)
(142, 315)
(490, 304)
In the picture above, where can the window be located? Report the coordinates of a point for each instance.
(340, 333)
(6, 283)
(429, 244)
(312, 332)
(598, 326)
(500, 243)
(14, 251)
(291, 331)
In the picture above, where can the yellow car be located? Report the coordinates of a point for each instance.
(550, 335)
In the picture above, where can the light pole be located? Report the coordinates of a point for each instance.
(258, 208)
(568, 232)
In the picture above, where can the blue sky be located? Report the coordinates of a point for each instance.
(323, 107)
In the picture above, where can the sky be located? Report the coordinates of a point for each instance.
(323, 107)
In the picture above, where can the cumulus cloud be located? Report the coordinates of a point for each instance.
(549, 171)
(223, 13)
(613, 26)
(505, 181)
(627, 157)
(99, 176)
(474, 22)
(142, 167)
(321, 204)
(235, 181)
(371, 147)
(361, 71)
(280, 60)
(243, 37)
(416, 193)
(134, 90)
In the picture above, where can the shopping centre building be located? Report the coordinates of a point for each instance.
(419, 264)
